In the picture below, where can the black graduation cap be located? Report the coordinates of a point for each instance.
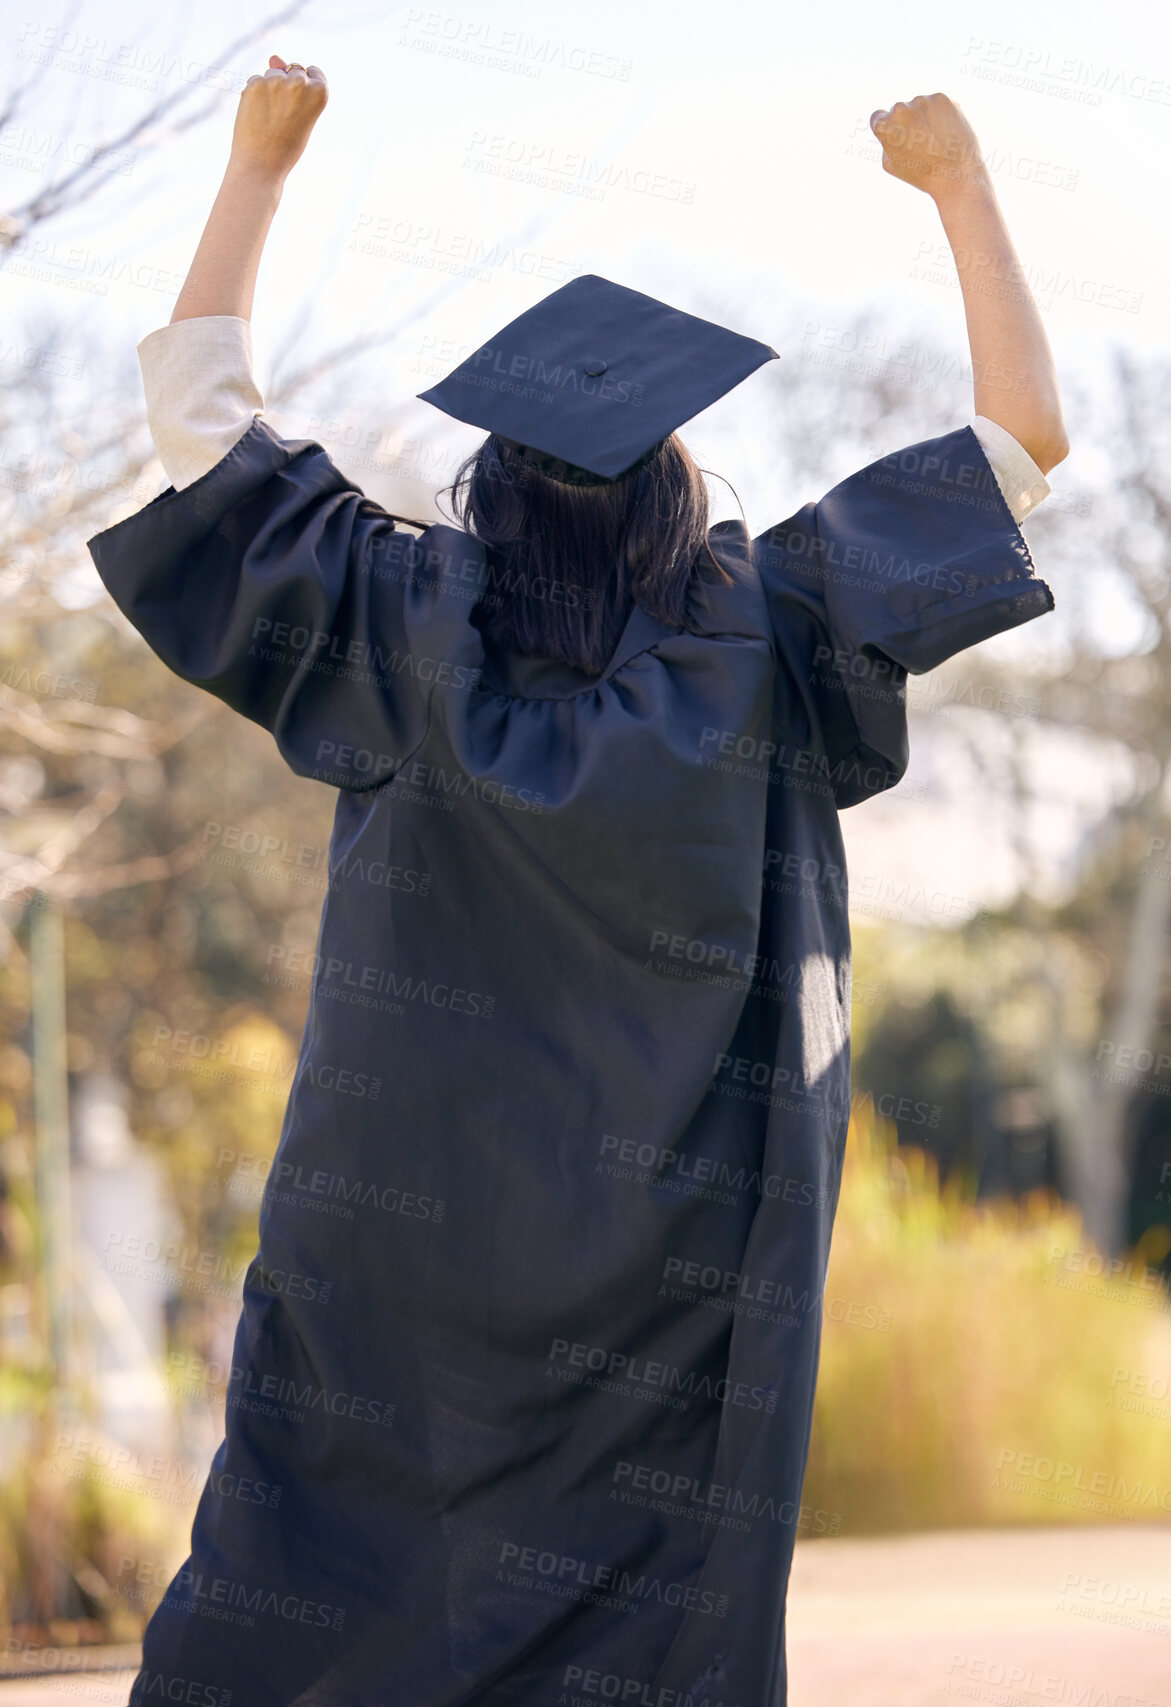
(588, 382)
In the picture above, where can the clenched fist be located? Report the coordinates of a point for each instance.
(277, 111)
(929, 143)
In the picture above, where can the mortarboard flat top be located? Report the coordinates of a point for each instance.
(597, 375)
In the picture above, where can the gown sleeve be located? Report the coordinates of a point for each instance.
(897, 568)
(268, 579)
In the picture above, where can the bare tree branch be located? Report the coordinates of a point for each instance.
(78, 185)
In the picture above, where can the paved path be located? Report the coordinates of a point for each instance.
(93, 1689)
(1002, 1618)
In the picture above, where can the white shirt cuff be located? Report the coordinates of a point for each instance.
(1017, 475)
(201, 396)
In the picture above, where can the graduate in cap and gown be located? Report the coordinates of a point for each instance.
(545, 1443)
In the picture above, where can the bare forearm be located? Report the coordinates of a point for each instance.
(928, 143)
(222, 276)
(1014, 380)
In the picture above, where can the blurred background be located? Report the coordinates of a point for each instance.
(988, 1502)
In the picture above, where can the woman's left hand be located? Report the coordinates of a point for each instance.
(277, 112)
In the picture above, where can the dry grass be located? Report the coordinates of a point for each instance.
(993, 1372)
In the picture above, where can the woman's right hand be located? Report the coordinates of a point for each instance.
(928, 143)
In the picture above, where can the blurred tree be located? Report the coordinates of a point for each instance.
(925, 1065)
(854, 390)
(185, 851)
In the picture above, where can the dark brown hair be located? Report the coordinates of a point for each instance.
(566, 563)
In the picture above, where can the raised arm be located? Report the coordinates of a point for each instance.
(928, 143)
(276, 114)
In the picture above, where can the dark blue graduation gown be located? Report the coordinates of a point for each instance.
(545, 1441)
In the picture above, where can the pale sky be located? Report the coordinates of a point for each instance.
(692, 152)
(473, 157)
